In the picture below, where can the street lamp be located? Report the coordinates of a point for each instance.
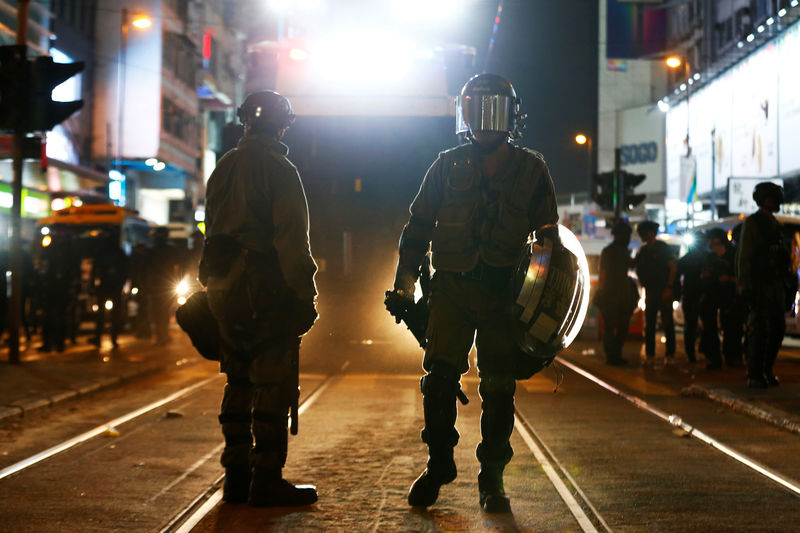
(582, 139)
(675, 62)
(141, 22)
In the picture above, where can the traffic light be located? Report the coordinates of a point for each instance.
(26, 87)
(628, 183)
(14, 72)
(43, 112)
(605, 193)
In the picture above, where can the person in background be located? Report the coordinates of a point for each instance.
(720, 302)
(616, 296)
(164, 269)
(766, 283)
(688, 288)
(656, 269)
(109, 274)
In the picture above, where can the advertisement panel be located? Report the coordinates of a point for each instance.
(640, 137)
(789, 112)
(675, 148)
(753, 110)
(755, 125)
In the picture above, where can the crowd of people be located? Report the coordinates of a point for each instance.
(737, 287)
(67, 283)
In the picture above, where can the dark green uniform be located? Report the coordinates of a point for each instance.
(617, 297)
(256, 197)
(766, 283)
(476, 226)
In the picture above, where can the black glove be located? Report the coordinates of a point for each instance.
(305, 314)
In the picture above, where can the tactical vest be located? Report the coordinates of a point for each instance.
(486, 219)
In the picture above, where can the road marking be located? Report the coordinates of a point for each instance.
(83, 437)
(677, 421)
(575, 508)
(216, 497)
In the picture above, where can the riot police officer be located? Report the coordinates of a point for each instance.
(260, 276)
(616, 297)
(766, 283)
(720, 299)
(656, 268)
(688, 288)
(476, 207)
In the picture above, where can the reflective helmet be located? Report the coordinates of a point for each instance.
(767, 189)
(551, 292)
(488, 102)
(266, 110)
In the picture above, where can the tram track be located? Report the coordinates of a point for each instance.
(110, 425)
(191, 515)
(677, 421)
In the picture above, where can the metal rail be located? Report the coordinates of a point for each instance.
(676, 420)
(193, 514)
(102, 428)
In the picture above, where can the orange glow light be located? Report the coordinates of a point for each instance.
(581, 138)
(674, 62)
(141, 22)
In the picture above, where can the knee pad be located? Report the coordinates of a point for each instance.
(443, 378)
(497, 386)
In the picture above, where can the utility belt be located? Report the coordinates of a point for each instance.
(488, 274)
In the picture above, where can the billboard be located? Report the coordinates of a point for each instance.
(747, 121)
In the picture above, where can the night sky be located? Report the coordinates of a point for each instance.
(548, 50)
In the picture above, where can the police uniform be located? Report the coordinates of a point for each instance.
(255, 199)
(765, 281)
(615, 299)
(688, 271)
(653, 270)
(476, 226)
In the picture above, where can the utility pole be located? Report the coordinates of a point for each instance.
(15, 301)
(618, 188)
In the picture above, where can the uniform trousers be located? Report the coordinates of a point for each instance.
(464, 312)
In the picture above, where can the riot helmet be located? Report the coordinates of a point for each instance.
(489, 102)
(766, 190)
(266, 111)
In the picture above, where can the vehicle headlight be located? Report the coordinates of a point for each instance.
(182, 288)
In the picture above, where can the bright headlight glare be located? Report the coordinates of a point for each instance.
(182, 288)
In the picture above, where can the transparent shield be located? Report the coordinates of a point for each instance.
(490, 112)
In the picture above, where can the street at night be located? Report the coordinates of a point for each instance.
(585, 458)
(399, 265)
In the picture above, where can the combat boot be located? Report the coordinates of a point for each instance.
(492, 494)
(269, 489)
(237, 484)
(441, 470)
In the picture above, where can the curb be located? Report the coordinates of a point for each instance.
(770, 415)
(21, 408)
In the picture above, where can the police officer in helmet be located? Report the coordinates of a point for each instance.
(260, 277)
(766, 283)
(476, 207)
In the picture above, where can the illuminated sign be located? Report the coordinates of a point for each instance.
(740, 194)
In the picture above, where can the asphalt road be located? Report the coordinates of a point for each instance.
(359, 443)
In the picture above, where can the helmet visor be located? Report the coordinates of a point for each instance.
(485, 112)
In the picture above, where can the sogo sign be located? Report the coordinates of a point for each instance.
(633, 154)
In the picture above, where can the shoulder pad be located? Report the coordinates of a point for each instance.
(282, 160)
(531, 152)
(458, 156)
